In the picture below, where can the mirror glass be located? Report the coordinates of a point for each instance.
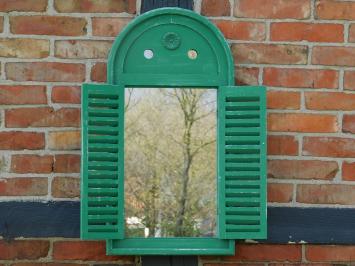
(170, 162)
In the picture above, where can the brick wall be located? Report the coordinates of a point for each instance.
(302, 50)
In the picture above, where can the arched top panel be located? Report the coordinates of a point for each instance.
(170, 47)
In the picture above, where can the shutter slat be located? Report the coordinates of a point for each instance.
(102, 162)
(242, 162)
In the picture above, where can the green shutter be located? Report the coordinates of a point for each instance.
(242, 162)
(102, 202)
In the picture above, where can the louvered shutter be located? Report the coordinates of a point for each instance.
(102, 162)
(242, 162)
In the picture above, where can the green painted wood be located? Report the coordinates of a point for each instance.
(102, 192)
(242, 162)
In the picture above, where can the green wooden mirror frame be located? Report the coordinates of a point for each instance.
(241, 133)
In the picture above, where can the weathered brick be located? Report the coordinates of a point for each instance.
(302, 169)
(282, 145)
(333, 56)
(279, 9)
(302, 122)
(48, 264)
(16, 94)
(246, 75)
(331, 253)
(326, 194)
(42, 117)
(23, 5)
(349, 124)
(17, 140)
(242, 30)
(215, 8)
(329, 147)
(110, 27)
(99, 72)
(311, 32)
(330, 101)
(28, 163)
(66, 94)
(48, 25)
(1, 24)
(91, 6)
(65, 187)
(66, 163)
(24, 48)
(352, 33)
(283, 100)
(82, 49)
(284, 54)
(349, 80)
(45, 71)
(23, 249)
(281, 193)
(84, 250)
(348, 170)
(26, 186)
(64, 140)
(330, 9)
(301, 78)
(266, 252)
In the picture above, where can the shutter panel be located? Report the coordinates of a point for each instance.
(102, 194)
(242, 162)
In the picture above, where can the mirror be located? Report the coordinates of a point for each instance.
(170, 162)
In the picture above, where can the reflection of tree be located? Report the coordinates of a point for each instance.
(170, 161)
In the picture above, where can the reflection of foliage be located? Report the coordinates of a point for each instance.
(170, 164)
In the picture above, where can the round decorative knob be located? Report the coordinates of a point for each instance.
(171, 40)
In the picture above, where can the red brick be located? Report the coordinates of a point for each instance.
(284, 54)
(281, 193)
(241, 30)
(330, 9)
(349, 124)
(45, 71)
(298, 9)
(283, 100)
(12, 94)
(23, 249)
(42, 117)
(333, 56)
(65, 187)
(349, 80)
(348, 170)
(64, 140)
(330, 253)
(24, 48)
(28, 163)
(301, 78)
(23, 5)
(82, 49)
(282, 145)
(17, 140)
(311, 32)
(352, 33)
(266, 252)
(246, 75)
(66, 163)
(66, 94)
(26, 186)
(84, 250)
(110, 27)
(329, 147)
(302, 169)
(92, 6)
(215, 8)
(48, 25)
(287, 122)
(98, 72)
(330, 101)
(326, 194)
(47, 264)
